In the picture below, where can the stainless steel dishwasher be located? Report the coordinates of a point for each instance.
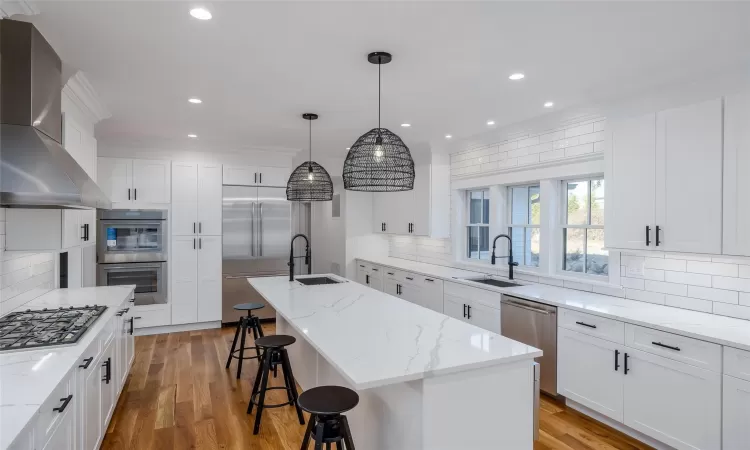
(533, 324)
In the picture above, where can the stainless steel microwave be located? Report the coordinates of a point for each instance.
(132, 236)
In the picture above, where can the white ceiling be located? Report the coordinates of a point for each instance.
(258, 66)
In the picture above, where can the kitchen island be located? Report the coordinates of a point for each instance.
(425, 380)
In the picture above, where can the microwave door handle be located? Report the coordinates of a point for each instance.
(260, 226)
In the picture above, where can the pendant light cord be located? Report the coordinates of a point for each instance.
(380, 63)
(310, 142)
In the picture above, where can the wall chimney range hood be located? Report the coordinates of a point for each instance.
(35, 170)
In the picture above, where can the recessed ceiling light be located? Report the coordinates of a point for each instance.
(549, 105)
(195, 100)
(490, 122)
(516, 76)
(200, 13)
(406, 125)
(448, 136)
(192, 135)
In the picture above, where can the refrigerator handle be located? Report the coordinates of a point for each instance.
(260, 225)
(252, 230)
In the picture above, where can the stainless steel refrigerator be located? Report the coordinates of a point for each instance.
(257, 228)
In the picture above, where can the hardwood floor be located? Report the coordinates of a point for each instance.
(179, 396)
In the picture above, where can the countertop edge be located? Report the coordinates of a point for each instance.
(510, 291)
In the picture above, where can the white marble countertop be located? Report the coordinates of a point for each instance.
(708, 327)
(375, 339)
(28, 377)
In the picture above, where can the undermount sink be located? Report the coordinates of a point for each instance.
(317, 280)
(492, 282)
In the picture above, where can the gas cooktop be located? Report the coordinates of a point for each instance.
(32, 329)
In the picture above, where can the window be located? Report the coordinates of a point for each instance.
(478, 228)
(583, 227)
(525, 217)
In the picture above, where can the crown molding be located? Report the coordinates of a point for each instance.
(82, 93)
(12, 7)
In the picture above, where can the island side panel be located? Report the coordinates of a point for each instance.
(480, 409)
(302, 355)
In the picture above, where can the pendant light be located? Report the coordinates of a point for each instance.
(379, 161)
(309, 182)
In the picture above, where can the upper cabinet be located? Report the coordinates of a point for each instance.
(196, 199)
(664, 174)
(736, 170)
(423, 211)
(132, 183)
(256, 176)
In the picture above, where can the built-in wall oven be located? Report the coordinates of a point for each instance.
(132, 249)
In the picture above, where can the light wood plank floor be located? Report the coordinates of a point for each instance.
(179, 396)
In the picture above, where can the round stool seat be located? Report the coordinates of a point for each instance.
(275, 341)
(328, 400)
(248, 306)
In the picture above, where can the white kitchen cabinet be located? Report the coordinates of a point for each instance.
(92, 424)
(43, 229)
(411, 292)
(414, 212)
(736, 415)
(658, 168)
(483, 316)
(590, 372)
(196, 199)
(256, 176)
(209, 278)
(88, 266)
(63, 438)
(370, 275)
(736, 169)
(133, 183)
(454, 307)
(184, 280)
(108, 381)
(661, 398)
(689, 178)
(391, 287)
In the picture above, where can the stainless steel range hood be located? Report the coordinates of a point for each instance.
(35, 170)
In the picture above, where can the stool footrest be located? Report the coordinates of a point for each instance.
(277, 405)
(245, 357)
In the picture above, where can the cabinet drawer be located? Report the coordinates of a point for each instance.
(679, 348)
(107, 333)
(611, 330)
(484, 297)
(152, 316)
(737, 363)
(48, 418)
(393, 274)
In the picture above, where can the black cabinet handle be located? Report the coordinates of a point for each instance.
(657, 235)
(385, 226)
(367, 279)
(410, 278)
(648, 235)
(193, 243)
(468, 311)
(586, 324)
(132, 320)
(200, 243)
(200, 227)
(87, 362)
(256, 178)
(390, 273)
(464, 309)
(260, 177)
(659, 344)
(64, 405)
(193, 227)
(617, 360)
(128, 193)
(135, 194)
(626, 363)
(108, 374)
(430, 280)
(83, 229)
(87, 232)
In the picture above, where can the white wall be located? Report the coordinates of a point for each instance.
(249, 157)
(329, 235)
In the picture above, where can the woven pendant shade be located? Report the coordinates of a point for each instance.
(379, 161)
(379, 165)
(309, 182)
(302, 188)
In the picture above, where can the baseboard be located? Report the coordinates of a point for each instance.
(177, 328)
(617, 425)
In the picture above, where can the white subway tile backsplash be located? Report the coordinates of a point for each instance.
(551, 281)
(744, 298)
(744, 271)
(508, 146)
(608, 290)
(578, 286)
(689, 303)
(488, 166)
(591, 138)
(633, 283)
(645, 296)
(731, 259)
(580, 149)
(599, 126)
(712, 268)
(528, 141)
(665, 264)
(554, 154)
(529, 159)
(554, 136)
(564, 143)
(734, 284)
(666, 288)
(579, 130)
(598, 147)
(688, 256)
(715, 295)
(694, 279)
(737, 311)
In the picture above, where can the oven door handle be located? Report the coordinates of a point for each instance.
(130, 267)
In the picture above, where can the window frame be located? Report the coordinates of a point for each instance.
(563, 226)
(468, 225)
(511, 225)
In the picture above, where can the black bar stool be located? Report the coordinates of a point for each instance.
(251, 322)
(274, 354)
(327, 423)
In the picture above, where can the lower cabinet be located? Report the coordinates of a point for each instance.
(196, 279)
(370, 275)
(673, 402)
(736, 426)
(589, 372)
(91, 426)
(63, 438)
(473, 312)
(108, 380)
